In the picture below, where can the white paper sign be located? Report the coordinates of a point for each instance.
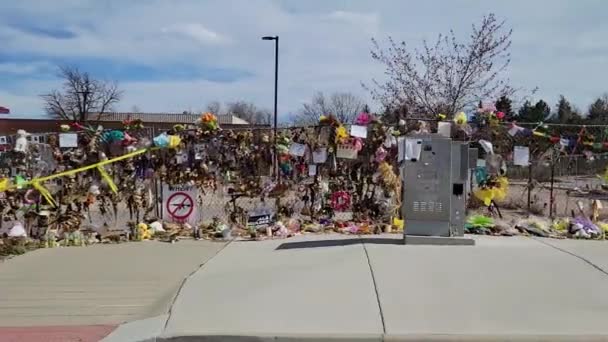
(312, 169)
(68, 140)
(297, 150)
(181, 158)
(358, 131)
(521, 155)
(199, 152)
(413, 148)
(444, 129)
(2, 140)
(319, 156)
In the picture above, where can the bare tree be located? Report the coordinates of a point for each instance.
(448, 76)
(80, 94)
(214, 107)
(344, 106)
(249, 112)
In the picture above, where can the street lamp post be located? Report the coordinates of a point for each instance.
(276, 83)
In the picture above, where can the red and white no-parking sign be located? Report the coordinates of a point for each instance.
(179, 204)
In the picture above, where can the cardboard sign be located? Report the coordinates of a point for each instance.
(346, 152)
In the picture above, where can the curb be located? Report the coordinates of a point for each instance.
(144, 330)
(151, 330)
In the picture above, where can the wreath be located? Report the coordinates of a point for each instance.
(340, 200)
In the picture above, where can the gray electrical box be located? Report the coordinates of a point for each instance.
(427, 190)
(460, 173)
(473, 156)
(436, 172)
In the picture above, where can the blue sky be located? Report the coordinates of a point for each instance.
(180, 55)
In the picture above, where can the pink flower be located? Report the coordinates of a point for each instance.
(381, 154)
(500, 115)
(357, 144)
(364, 119)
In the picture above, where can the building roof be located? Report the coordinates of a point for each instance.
(227, 119)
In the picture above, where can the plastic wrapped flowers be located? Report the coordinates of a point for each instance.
(208, 122)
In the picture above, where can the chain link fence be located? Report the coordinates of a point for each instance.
(574, 168)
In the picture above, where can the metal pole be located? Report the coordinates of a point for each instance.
(552, 181)
(276, 91)
(529, 186)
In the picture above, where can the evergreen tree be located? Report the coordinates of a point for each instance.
(598, 111)
(537, 113)
(504, 105)
(564, 111)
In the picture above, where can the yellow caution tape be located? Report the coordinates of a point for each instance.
(106, 177)
(37, 182)
(44, 192)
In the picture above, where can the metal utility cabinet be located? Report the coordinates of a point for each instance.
(435, 172)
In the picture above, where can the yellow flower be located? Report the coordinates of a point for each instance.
(460, 118)
(341, 134)
(4, 184)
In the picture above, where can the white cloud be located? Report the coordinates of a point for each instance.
(196, 32)
(23, 68)
(323, 46)
(354, 17)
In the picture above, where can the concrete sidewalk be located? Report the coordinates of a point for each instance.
(517, 288)
(96, 285)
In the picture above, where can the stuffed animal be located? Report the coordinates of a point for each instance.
(21, 143)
